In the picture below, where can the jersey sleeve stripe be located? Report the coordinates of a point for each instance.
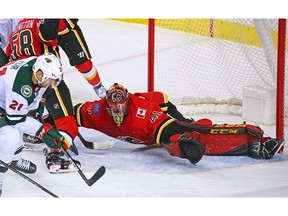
(169, 121)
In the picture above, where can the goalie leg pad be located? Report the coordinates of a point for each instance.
(254, 149)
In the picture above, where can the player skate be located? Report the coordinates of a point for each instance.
(57, 163)
(31, 142)
(24, 165)
(271, 147)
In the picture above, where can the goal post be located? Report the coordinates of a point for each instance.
(281, 84)
(151, 50)
(234, 66)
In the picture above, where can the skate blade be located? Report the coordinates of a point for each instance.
(57, 169)
(32, 146)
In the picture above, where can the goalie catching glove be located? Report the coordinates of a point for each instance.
(186, 146)
(51, 137)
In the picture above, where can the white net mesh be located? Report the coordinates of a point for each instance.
(207, 62)
(210, 68)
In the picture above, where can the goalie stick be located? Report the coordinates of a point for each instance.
(27, 178)
(98, 174)
(95, 145)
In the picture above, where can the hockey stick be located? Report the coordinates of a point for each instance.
(95, 145)
(27, 178)
(98, 174)
(86, 143)
(74, 149)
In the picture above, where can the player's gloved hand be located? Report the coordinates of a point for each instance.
(100, 91)
(50, 136)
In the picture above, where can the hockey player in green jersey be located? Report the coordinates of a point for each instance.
(22, 84)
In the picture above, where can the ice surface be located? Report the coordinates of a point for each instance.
(136, 171)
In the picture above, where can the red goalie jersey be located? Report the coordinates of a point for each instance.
(142, 125)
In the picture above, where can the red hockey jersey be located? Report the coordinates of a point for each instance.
(25, 41)
(28, 39)
(142, 125)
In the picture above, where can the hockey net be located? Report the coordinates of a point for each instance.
(204, 64)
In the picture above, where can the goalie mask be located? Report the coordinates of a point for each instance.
(117, 100)
(50, 66)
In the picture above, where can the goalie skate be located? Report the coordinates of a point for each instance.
(271, 147)
(57, 164)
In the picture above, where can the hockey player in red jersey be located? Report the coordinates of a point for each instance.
(139, 119)
(33, 37)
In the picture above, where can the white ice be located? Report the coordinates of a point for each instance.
(135, 171)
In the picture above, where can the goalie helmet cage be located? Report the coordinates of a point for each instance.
(204, 64)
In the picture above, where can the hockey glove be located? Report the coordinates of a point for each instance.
(50, 136)
(191, 149)
(187, 146)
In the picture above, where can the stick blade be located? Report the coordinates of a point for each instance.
(99, 173)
